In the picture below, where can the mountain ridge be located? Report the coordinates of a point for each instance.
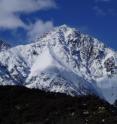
(4, 45)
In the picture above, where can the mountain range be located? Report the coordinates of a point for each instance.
(63, 60)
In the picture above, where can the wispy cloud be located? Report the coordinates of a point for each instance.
(102, 0)
(10, 9)
(103, 9)
(104, 12)
(38, 28)
(99, 11)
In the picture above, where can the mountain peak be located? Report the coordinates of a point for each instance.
(64, 26)
(68, 33)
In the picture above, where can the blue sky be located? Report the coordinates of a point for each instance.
(21, 21)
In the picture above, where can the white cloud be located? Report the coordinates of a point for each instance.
(11, 21)
(38, 28)
(9, 10)
(102, 0)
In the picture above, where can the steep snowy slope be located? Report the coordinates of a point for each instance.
(63, 60)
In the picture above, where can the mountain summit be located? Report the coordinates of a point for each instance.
(63, 60)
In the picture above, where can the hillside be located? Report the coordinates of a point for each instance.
(19, 105)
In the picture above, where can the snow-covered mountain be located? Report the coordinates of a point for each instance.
(63, 60)
(4, 45)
